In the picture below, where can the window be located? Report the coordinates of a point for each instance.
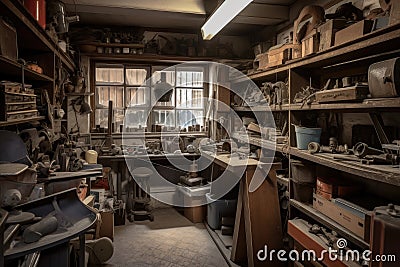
(132, 92)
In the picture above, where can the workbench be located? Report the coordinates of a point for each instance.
(118, 163)
(258, 221)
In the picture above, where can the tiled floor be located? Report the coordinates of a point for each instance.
(171, 240)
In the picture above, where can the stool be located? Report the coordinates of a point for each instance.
(138, 195)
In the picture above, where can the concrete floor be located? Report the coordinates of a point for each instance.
(171, 240)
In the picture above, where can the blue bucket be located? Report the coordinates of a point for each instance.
(304, 136)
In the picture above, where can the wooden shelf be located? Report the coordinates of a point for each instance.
(381, 173)
(378, 103)
(386, 41)
(328, 222)
(14, 69)
(15, 122)
(114, 45)
(35, 37)
(381, 103)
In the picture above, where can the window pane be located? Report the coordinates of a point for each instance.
(101, 117)
(112, 74)
(189, 98)
(136, 76)
(162, 104)
(170, 77)
(164, 117)
(189, 78)
(137, 96)
(189, 117)
(113, 93)
(119, 115)
(136, 118)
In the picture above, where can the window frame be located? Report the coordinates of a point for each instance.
(151, 69)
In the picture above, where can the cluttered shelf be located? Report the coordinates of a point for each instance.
(147, 57)
(12, 68)
(15, 122)
(372, 103)
(383, 173)
(383, 40)
(36, 38)
(299, 230)
(318, 216)
(377, 103)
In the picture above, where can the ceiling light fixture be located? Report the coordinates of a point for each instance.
(222, 16)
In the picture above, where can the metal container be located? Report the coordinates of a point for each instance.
(384, 78)
(385, 233)
(38, 10)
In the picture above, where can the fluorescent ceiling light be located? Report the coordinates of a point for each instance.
(222, 16)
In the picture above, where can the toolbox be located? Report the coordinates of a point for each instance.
(16, 104)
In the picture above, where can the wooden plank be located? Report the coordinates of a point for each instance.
(381, 103)
(239, 251)
(262, 217)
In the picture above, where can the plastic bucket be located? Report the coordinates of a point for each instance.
(304, 136)
(218, 209)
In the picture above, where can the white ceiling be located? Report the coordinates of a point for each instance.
(180, 15)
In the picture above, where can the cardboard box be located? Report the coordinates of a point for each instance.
(353, 222)
(332, 188)
(107, 224)
(353, 32)
(327, 32)
(195, 214)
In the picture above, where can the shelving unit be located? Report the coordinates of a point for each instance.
(31, 37)
(34, 45)
(384, 40)
(349, 59)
